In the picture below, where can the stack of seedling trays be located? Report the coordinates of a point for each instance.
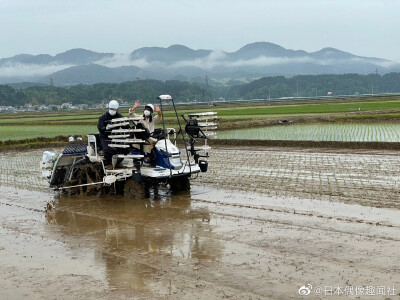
(207, 122)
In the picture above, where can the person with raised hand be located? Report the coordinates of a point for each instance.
(147, 119)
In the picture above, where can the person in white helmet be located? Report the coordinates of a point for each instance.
(147, 118)
(104, 126)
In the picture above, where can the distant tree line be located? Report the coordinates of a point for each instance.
(103, 92)
(316, 85)
(183, 91)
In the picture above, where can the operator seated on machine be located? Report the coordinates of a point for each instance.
(147, 120)
(104, 126)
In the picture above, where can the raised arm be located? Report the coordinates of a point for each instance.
(158, 110)
(133, 109)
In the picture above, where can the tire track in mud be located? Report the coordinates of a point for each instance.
(294, 212)
(24, 207)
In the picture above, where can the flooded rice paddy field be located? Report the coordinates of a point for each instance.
(368, 178)
(350, 132)
(259, 225)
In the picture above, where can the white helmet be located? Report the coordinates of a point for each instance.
(113, 104)
(151, 106)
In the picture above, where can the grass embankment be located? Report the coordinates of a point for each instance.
(24, 128)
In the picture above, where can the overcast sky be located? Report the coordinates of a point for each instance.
(362, 27)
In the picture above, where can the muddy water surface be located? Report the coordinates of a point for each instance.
(218, 241)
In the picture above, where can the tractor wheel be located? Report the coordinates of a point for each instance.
(72, 191)
(180, 184)
(134, 189)
(87, 174)
(117, 188)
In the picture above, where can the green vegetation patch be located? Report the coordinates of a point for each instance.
(21, 126)
(28, 132)
(313, 108)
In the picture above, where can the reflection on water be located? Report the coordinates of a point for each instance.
(138, 239)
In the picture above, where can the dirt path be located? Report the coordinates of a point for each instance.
(231, 237)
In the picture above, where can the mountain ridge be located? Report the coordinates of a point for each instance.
(251, 61)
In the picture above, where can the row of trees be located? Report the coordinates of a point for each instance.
(317, 85)
(264, 88)
(12, 97)
(96, 93)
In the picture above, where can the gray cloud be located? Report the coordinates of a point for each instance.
(219, 59)
(269, 61)
(29, 70)
(215, 60)
(119, 60)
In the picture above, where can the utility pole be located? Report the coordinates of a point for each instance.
(137, 88)
(207, 90)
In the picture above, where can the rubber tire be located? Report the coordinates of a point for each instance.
(180, 184)
(135, 190)
(92, 170)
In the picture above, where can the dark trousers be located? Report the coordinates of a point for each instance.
(107, 150)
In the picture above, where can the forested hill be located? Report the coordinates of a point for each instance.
(183, 91)
(178, 62)
(102, 92)
(316, 85)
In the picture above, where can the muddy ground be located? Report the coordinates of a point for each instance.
(262, 223)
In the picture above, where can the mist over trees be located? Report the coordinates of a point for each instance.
(178, 62)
